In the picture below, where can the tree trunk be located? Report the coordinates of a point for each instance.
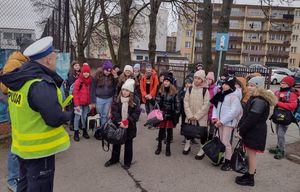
(124, 56)
(223, 27)
(207, 31)
(80, 51)
(107, 32)
(155, 4)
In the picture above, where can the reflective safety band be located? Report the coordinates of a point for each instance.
(41, 147)
(36, 136)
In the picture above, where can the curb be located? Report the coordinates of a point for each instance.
(294, 158)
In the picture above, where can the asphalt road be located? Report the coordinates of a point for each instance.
(81, 169)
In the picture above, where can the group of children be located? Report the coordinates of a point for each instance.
(222, 107)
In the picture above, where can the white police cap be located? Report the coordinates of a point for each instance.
(39, 49)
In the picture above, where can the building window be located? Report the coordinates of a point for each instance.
(295, 37)
(199, 35)
(146, 58)
(255, 12)
(293, 49)
(7, 35)
(254, 25)
(234, 24)
(187, 55)
(292, 61)
(198, 44)
(139, 57)
(188, 44)
(189, 21)
(189, 33)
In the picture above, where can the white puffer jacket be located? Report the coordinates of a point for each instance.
(230, 111)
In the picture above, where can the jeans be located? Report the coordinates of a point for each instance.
(36, 175)
(12, 169)
(102, 107)
(280, 131)
(84, 112)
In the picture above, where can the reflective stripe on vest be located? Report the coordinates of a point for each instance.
(32, 137)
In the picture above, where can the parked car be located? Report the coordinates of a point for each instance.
(297, 79)
(287, 71)
(277, 76)
(258, 66)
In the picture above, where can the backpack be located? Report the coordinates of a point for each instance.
(203, 93)
(286, 117)
(72, 88)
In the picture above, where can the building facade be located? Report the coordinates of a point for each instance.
(9, 37)
(294, 60)
(252, 38)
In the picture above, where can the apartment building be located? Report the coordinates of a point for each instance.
(294, 60)
(10, 36)
(253, 39)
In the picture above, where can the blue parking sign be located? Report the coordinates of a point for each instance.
(222, 41)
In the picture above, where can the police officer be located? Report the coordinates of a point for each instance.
(37, 116)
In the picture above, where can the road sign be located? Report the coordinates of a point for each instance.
(222, 41)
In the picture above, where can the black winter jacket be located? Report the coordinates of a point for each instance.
(133, 117)
(169, 104)
(253, 126)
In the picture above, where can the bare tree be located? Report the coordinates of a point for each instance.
(107, 32)
(154, 8)
(87, 17)
(223, 27)
(207, 33)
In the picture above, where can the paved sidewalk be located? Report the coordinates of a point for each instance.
(81, 169)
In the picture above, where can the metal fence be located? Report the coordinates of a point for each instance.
(247, 72)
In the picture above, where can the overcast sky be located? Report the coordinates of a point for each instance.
(20, 14)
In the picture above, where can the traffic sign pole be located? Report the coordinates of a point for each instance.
(219, 64)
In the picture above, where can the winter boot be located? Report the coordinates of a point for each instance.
(168, 149)
(85, 134)
(187, 147)
(279, 155)
(200, 154)
(226, 166)
(158, 150)
(273, 150)
(245, 180)
(76, 136)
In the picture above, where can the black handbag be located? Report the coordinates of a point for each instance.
(282, 116)
(214, 150)
(194, 131)
(238, 159)
(113, 134)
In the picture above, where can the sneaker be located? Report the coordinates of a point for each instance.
(199, 157)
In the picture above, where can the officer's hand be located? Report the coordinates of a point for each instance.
(78, 108)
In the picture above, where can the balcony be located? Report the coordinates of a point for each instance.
(278, 53)
(281, 28)
(198, 49)
(234, 51)
(254, 52)
(236, 38)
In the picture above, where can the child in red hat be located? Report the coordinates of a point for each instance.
(81, 97)
(287, 100)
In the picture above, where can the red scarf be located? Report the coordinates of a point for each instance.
(86, 81)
